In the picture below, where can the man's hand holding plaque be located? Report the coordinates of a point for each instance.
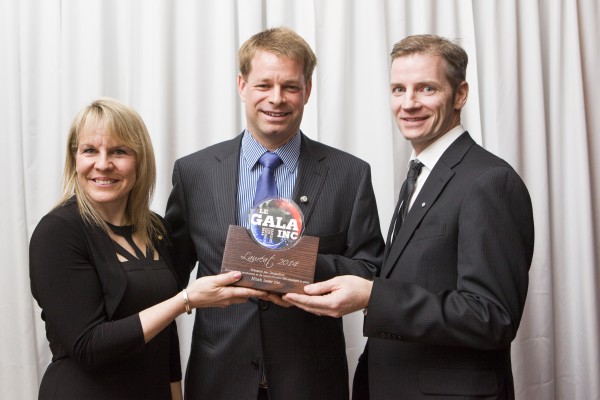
(273, 255)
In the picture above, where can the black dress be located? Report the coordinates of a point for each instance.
(100, 353)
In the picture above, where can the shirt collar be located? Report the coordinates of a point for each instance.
(289, 152)
(432, 153)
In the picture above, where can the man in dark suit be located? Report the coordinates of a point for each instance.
(261, 349)
(441, 315)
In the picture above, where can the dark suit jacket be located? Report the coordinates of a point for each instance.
(451, 292)
(304, 356)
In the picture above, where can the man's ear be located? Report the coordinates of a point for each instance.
(460, 98)
(241, 84)
(307, 91)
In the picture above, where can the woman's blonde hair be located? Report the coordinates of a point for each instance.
(127, 126)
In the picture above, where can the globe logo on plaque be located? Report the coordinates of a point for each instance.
(276, 223)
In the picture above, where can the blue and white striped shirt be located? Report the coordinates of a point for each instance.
(250, 170)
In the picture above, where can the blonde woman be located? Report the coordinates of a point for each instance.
(101, 271)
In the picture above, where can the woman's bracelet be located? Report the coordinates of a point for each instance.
(186, 302)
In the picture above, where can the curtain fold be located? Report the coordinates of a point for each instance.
(534, 100)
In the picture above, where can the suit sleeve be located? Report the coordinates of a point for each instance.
(483, 307)
(360, 251)
(183, 250)
(65, 284)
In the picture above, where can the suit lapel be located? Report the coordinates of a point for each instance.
(434, 185)
(311, 177)
(441, 174)
(388, 241)
(226, 173)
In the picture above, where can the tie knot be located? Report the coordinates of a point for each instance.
(414, 169)
(269, 160)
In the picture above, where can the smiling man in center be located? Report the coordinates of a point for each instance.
(262, 350)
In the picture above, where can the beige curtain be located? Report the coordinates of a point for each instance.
(534, 101)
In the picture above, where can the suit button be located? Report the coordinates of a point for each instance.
(263, 305)
(255, 364)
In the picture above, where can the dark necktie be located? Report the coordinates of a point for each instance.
(408, 187)
(266, 186)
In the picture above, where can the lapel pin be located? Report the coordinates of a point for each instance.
(423, 204)
(303, 199)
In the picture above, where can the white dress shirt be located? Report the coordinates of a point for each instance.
(431, 155)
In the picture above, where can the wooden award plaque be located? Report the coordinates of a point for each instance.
(277, 271)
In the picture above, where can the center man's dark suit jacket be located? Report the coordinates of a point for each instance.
(450, 297)
(304, 355)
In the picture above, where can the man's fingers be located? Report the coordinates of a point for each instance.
(308, 303)
(295, 298)
(319, 288)
(275, 299)
(243, 292)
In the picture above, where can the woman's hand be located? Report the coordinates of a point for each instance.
(208, 291)
(213, 291)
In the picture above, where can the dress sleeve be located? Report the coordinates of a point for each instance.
(65, 283)
(174, 357)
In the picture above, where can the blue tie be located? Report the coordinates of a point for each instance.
(266, 186)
